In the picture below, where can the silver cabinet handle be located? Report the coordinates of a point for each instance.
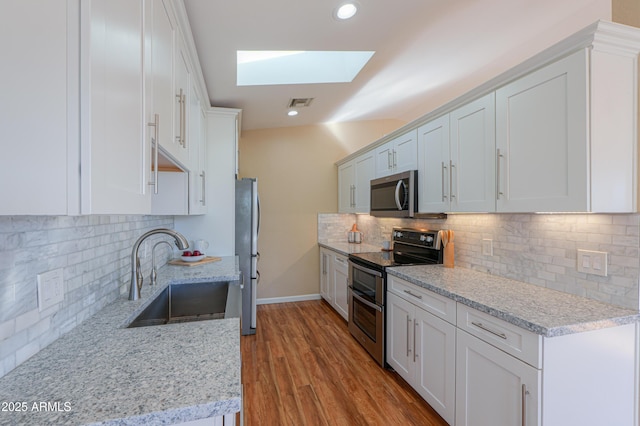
(444, 169)
(485, 328)
(451, 193)
(408, 325)
(525, 392)
(203, 200)
(411, 294)
(499, 192)
(154, 145)
(415, 325)
(389, 160)
(395, 159)
(182, 103)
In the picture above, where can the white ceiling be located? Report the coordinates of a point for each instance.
(427, 51)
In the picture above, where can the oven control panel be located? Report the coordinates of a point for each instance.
(418, 237)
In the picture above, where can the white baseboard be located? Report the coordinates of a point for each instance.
(287, 299)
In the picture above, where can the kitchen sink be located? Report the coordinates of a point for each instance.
(185, 303)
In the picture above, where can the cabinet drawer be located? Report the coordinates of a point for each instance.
(341, 262)
(438, 305)
(522, 344)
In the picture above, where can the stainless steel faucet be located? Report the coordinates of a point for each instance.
(154, 273)
(136, 277)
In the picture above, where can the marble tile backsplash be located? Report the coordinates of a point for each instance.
(539, 249)
(94, 254)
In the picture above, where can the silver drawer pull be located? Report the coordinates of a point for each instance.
(485, 328)
(411, 294)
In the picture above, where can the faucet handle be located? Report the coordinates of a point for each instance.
(139, 273)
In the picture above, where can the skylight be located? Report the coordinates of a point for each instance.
(272, 67)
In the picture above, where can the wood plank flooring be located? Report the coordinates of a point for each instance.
(302, 367)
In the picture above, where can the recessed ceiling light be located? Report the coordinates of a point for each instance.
(346, 11)
(292, 113)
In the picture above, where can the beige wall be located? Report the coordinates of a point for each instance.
(297, 179)
(626, 12)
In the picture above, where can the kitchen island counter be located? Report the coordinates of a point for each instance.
(538, 309)
(103, 373)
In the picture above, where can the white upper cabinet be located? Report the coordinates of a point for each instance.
(160, 97)
(433, 166)
(347, 187)
(39, 107)
(83, 87)
(398, 155)
(365, 168)
(456, 160)
(542, 145)
(566, 133)
(101, 90)
(354, 183)
(115, 153)
(182, 102)
(472, 164)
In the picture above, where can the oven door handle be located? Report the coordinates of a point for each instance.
(367, 270)
(363, 300)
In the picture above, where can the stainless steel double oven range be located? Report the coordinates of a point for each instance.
(368, 288)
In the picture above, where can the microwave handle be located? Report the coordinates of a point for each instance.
(398, 203)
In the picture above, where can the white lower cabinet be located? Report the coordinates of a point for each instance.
(477, 370)
(340, 286)
(421, 348)
(494, 388)
(334, 274)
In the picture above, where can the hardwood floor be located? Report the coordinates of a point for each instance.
(302, 367)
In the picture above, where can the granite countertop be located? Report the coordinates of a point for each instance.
(348, 248)
(541, 310)
(102, 373)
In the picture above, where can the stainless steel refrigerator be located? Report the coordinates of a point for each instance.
(247, 228)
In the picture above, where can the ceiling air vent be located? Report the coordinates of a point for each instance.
(300, 102)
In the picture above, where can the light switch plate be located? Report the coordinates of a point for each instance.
(593, 262)
(50, 288)
(487, 247)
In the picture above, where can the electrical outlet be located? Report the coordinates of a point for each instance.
(593, 262)
(50, 288)
(487, 247)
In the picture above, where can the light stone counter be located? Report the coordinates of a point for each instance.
(541, 310)
(103, 373)
(349, 248)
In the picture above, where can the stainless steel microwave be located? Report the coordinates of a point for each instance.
(395, 195)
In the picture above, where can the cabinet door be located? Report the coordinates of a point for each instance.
(400, 331)
(384, 159)
(197, 154)
(346, 187)
(182, 102)
(365, 170)
(472, 148)
(161, 98)
(115, 155)
(340, 277)
(37, 109)
(433, 166)
(405, 150)
(435, 355)
(325, 275)
(541, 137)
(492, 387)
(397, 155)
